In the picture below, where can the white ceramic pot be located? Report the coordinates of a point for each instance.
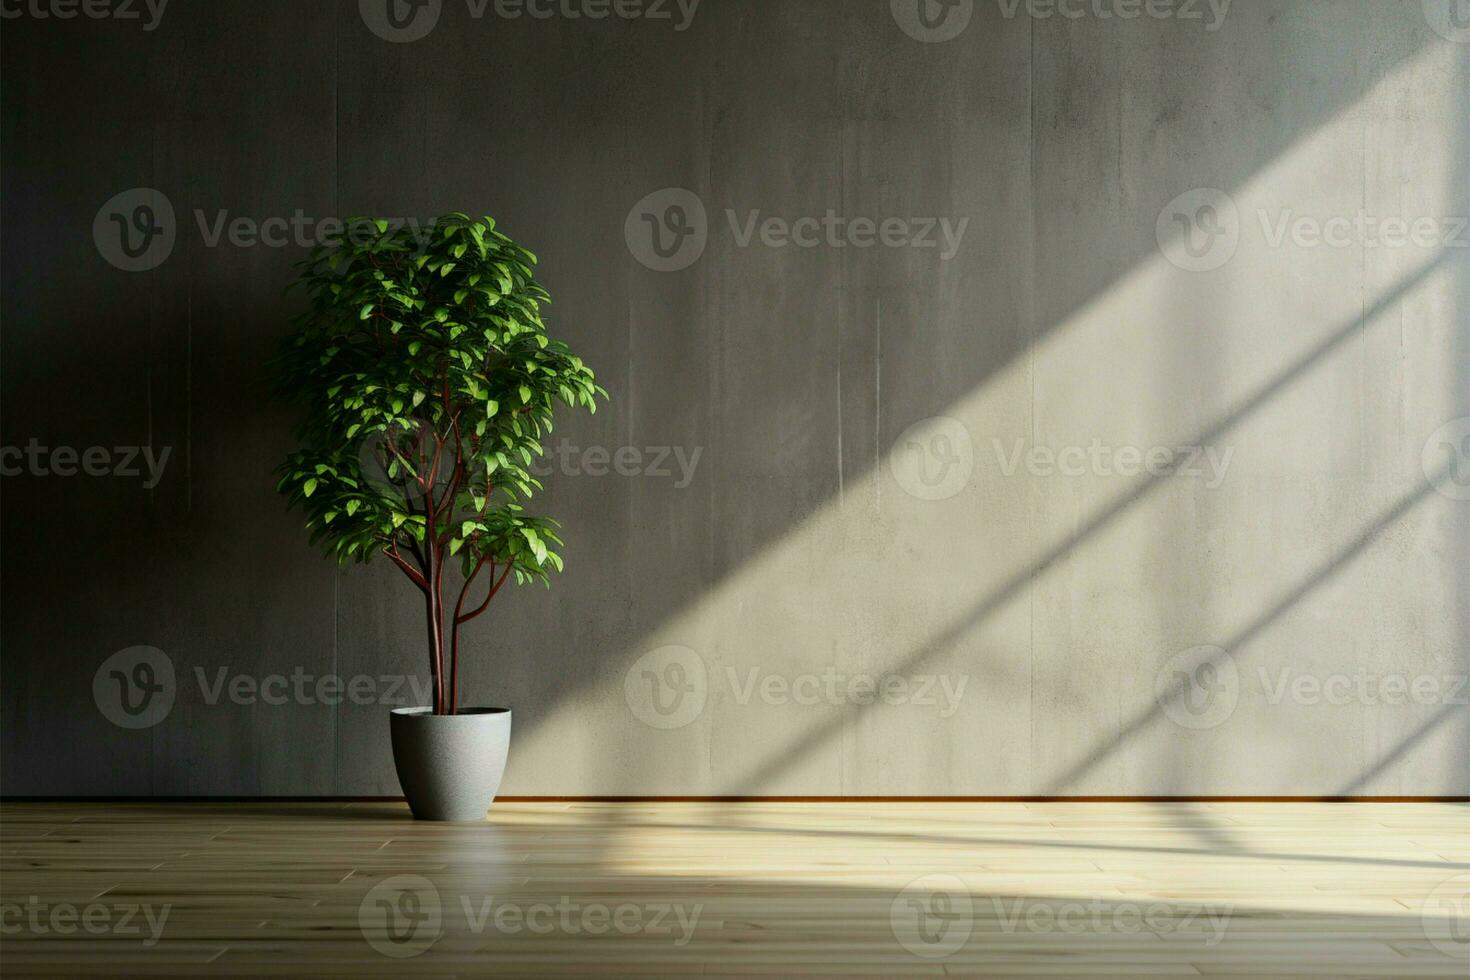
(450, 765)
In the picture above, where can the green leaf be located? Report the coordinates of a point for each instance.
(487, 347)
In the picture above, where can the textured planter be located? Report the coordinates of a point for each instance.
(450, 765)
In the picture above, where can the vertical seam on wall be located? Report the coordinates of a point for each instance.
(336, 566)
(1031, 385)
(878, 408)
(148, 387)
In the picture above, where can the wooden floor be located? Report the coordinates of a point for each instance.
(1063, 889)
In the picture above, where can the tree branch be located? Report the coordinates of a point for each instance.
(391, 550)
(493, 589)
(456, 479)
(465, 589)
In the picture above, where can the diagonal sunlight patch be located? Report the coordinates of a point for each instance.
(1093, 509)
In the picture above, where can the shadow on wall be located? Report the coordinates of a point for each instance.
(1064, 238)
(793, 369)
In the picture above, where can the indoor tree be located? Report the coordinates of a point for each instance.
(428, 380)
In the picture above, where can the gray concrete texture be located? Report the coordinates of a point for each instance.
(1013, 403)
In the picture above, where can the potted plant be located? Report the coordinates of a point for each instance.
(428, 380)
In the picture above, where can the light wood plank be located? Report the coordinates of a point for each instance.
(760, 889)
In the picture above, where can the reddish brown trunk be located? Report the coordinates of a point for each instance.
(436, 647)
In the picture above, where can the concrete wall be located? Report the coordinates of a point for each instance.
(938, 466)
